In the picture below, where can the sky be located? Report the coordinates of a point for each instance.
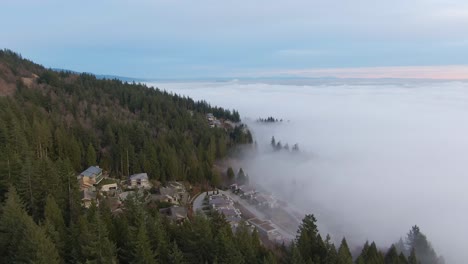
(223, 39)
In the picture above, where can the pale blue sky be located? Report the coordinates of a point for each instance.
(242, 38)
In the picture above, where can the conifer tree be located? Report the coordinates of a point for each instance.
(412, 257)
(230, 174)
(392, 256)
(90, 155)
(21, 239)
(344, 255)
(54, 225)
(142, 253)
(177, 257)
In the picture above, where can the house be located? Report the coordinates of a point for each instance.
(210, 117)
(112, 187)
(266, 201)
(139, 180)
(246, 191)
(233, 187)
(266, 229)
(87, 198)
(91, 176)
(162, 198)
(176, 192)
(175, 213)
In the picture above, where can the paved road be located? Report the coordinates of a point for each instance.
(198, 202)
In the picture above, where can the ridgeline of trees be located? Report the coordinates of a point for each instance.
(310, 247)
(55, 124)
(269, 119)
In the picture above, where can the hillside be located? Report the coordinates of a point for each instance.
(125, 128)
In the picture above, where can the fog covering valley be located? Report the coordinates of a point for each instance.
(381, 157)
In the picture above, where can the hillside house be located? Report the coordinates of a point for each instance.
(246, 191)
(139, 180)
(177, 191)
(265, 201)
(162, 198)
(266, 229)
(90, 177)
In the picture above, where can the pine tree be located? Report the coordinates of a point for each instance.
(241, 177)
(90, 155)
(177, 257)
(392, 256)
(22, 240)
(142, 253)
(422, 247)
(296, 257)
(403, 259)
(374, 255)
(309, 241)
(230, 174)
(344, 255)
(412, 257)
(332, 255)
(54, 225)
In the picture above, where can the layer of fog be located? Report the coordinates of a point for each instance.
(383, 157)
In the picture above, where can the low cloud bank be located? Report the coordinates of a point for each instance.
(380, 157)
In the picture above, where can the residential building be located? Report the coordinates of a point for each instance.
(162, 198)
(265, 201)
(139, 180)
(90, 177)
(246, 191)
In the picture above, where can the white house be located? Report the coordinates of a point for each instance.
(139, 180)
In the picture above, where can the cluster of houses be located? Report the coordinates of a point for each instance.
(224, 205)
(219, 123)
(254, 197)
(114, 193)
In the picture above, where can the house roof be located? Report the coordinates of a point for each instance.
(256, 221)
(267, 227)
(91, 171)
(139, 176)
(228, 212)
(246, 189)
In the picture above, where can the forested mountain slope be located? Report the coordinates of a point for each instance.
(48, 115)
